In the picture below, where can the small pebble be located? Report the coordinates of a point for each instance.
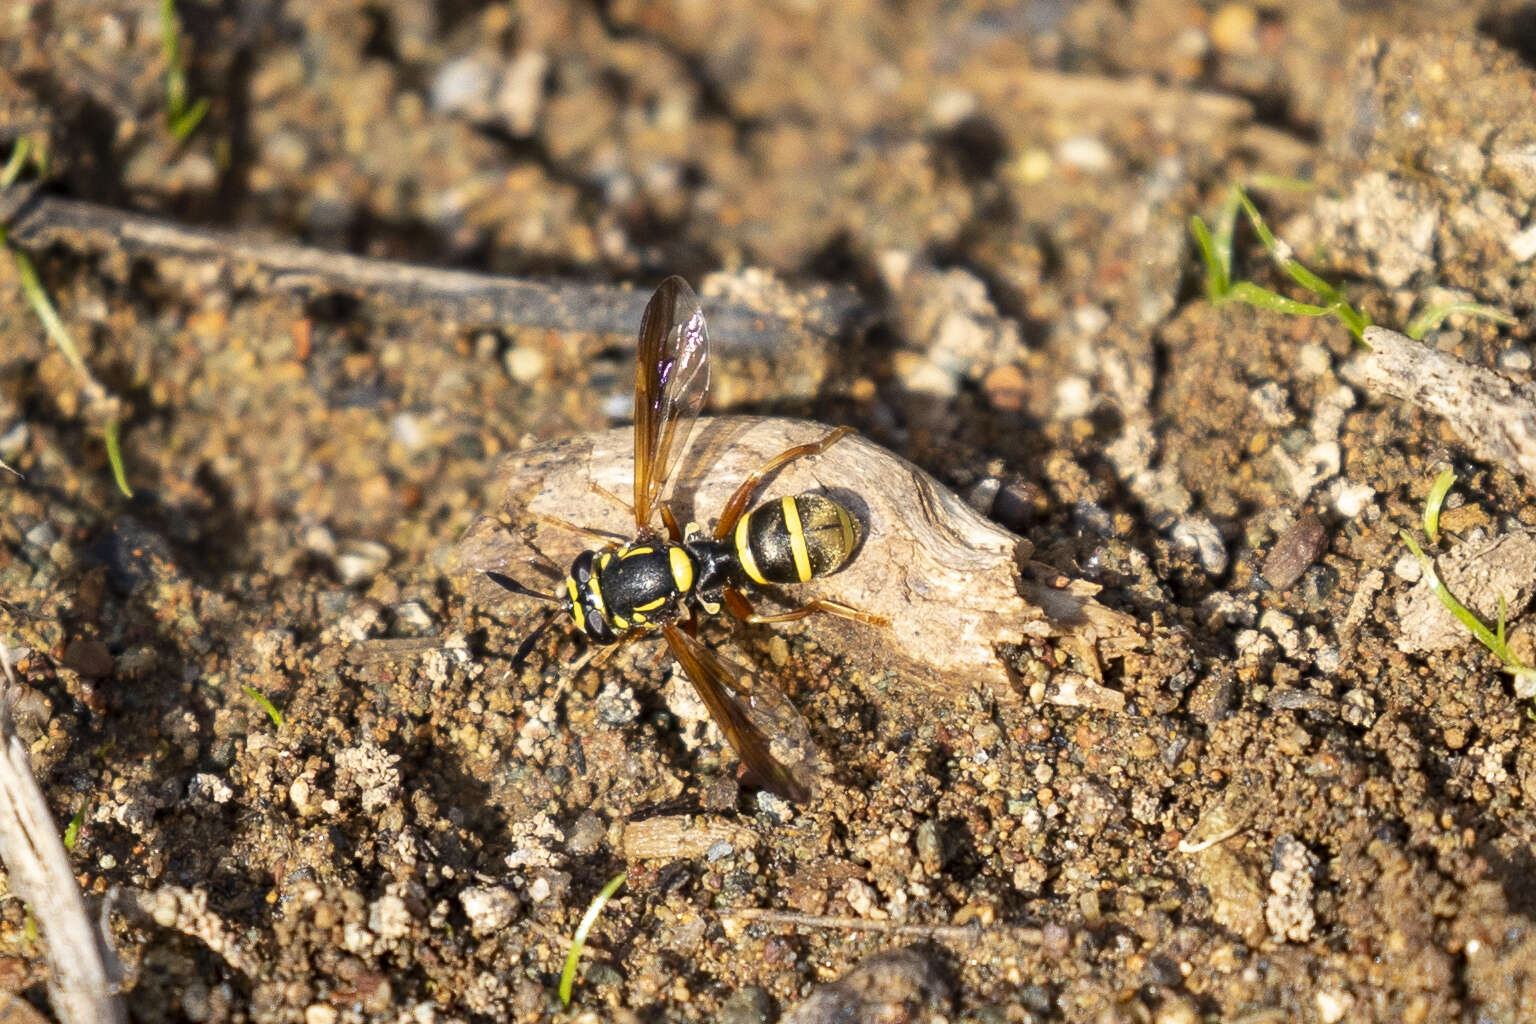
(413, 615)
(525, 365)
(461, 85)
(91, 658)
(360, 560)
(14, 441)
(1296, 549)
(1522, 245)
(1332, 1006)
(1515, 360)
(490, 908)
(1005, 387)
(1234, 30)
(1200, 535)
(42, 535)
(983, 493)
(1086, 153)
(520, 97)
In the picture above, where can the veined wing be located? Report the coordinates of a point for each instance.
(754, 717)
(671, 377)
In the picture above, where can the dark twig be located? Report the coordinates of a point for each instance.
(469, 300)
(957, 934)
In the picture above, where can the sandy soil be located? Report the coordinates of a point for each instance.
(981, 211)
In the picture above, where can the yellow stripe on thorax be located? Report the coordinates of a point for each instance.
(797, 539)
(682, 569)
(576, 610)
(744, 553)
(597, 591)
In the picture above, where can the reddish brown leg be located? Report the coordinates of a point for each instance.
(606, 493)
(737, 604)
(596, 657)
(738, 503)
(608, 540)
(671, 521)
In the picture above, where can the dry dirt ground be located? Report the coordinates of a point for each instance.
(1288, 818)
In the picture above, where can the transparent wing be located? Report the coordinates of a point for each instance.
(671, 377)
(762, 726)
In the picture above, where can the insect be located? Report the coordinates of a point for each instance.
(660, 581)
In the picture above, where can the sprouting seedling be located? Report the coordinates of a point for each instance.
(1216, 254)
(72, 830)
(261, 701)
(182, 118)
(1432, 504)
(37, 296)
(579, 940)
(1495, 640)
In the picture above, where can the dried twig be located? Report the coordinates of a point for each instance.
(469, 300)
(80, 986)
(957, 934)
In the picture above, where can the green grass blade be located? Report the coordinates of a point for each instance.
(579, 940)
(1435, 315)
(17, 162)
(72, 830)
(1263, 298)
(1432, 504)
(37, 296)
(1463, 614)
(1216, 280)
(266, 705)
(111, 434)
(181, 118)
(182, 127)
(1266, 182)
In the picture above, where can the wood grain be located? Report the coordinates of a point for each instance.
(955, 586)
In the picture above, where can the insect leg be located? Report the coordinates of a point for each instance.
(596, 657)
(737, 604)
(739, 501)
(606, 493)
(671, 521)
(608, 539)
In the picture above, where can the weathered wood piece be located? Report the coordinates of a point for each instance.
(949, 581)
(1494, 414)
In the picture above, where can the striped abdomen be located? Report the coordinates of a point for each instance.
(793, 539)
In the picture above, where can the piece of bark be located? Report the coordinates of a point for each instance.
(1495, 415)
(948, 580)
(682, 837)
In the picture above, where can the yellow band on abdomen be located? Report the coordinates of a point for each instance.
(744, 553)
(797, 539)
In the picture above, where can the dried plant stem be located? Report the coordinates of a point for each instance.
(958, 934)
(80, 986)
